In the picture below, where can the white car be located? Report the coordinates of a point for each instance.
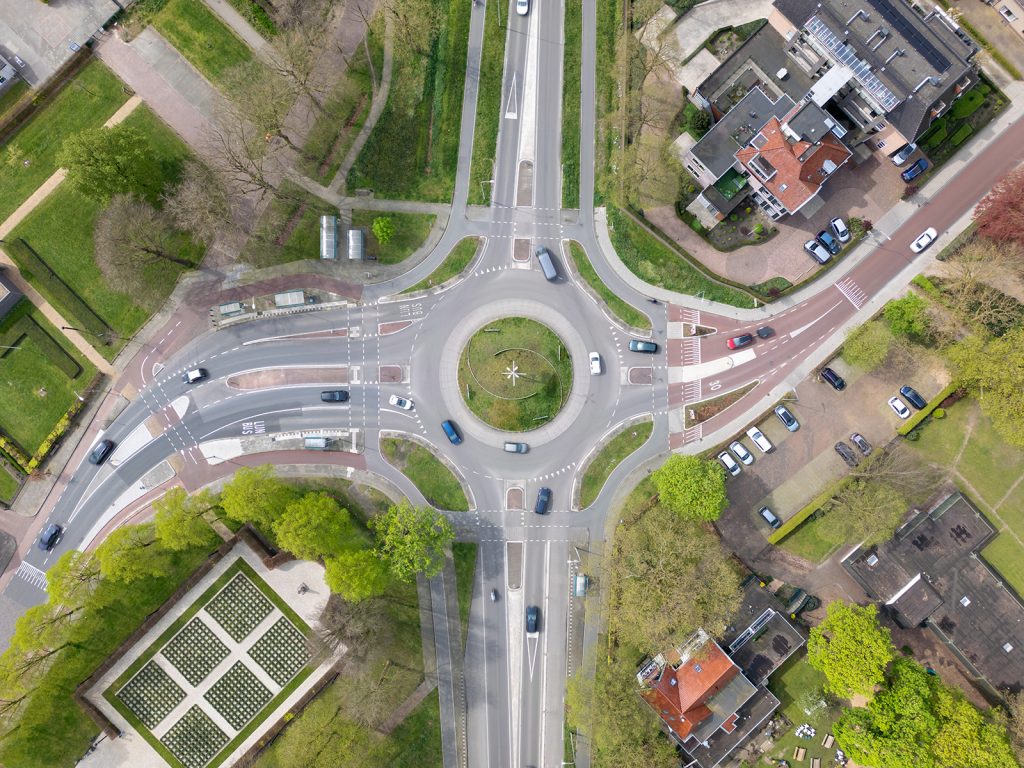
(730, 464)
(595, 363)
(925, 239)
(840, 229)
(899, 407)
(741, 453)
(903, 154)
(760, 440)
(522, 7)
(401, 402)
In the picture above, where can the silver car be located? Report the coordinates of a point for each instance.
(741, 453)
(730, 464)
(817, 251)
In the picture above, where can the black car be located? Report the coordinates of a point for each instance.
(858, 439)
(847, 453)
(50, 536)
(532, 620)
(913, 398)
(636, 345)
(838, 382)
(765, 332)
(543, 501)
(101, 451)
(334, 396)
(829, 242)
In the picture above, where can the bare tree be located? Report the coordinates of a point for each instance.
(972, 279)
(244, 157)
(350, 625)
(416, 23)
(261, 99)
(199, 203)
(298, 49)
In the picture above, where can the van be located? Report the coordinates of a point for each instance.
(453, 434)
(547, 266)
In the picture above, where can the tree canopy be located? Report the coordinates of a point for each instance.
(1000, 213)
(357, 575)
(101, 162)
(123, 555)
(413, 539)
(383, 229)
(867, 345)
(180, 518)
(993, 367)
(692, 487)
(850, 649)
(907, 316)
(315, 526)
(255, 496)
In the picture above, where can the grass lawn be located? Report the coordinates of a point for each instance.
(488, 107)
(571, 104)
(27, 160)
(60, 230)
(258, 18)
(609, 457)
(12, 94)
(609, 14)
(288, 230)
(651, 261)
(465, 569)
(202, 38)
(524, 402)
(623, 310)
(1004, 554)
(413, 150)
(990, 465)
(411, 230)
(797, 685)
(453, 264)
(433, 479)
(8, 484)
(814, 540)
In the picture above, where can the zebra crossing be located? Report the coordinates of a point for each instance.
(32, 575)
(853, 292)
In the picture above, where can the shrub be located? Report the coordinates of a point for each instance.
(910, 190)
(913, 435)
(936, 138)
(967, 104)
(961, 135)
(939, 413)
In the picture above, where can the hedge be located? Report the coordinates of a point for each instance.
(910, 424)
(961, 135)
(817, 503)
(936, 138)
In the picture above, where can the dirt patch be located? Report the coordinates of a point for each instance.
(271, 378)
(641, 375)
(514, 498)
(705, 409)
(385, 329)
(390, 374)
(521, 250)
(289, 226)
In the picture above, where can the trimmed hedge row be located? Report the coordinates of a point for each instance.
(910, 424)
(961, 135)
(816, 503)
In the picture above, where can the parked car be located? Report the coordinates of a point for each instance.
(532, 620)
(765, 332)
(760, 440)
(838, 382)
(637, 345)
(516, 447)
(522, 7)
(401, 402)
(863, 445)
(50, 536)
(452, 432)
(740, 341)
(903, 154)
(769, 517)
(899, 407)
(817, 251)
(741, 453)
(923, 240)
(915, 170)
(839, 227)
(787, 418)
(913, 397)
(829, 242)
(543, 501)
(196, 374)
(595, 363)
(101, 451)
(847, 453)
(334, 396)
(730, 464)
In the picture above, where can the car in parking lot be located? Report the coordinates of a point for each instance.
(923, 240)
(862, 444)
(769, 517)
(730, 463)
(787, 418)
(760, 440)
(50, 536)
(915, 170)
(838, 382)
(903, 154)
(741, 453)
(194, 375)
(740, 341)
(829, 242)
(532, 620)
(101, 451)
(452, 432)
(913, 397)
(840, 229)
(543, 501)
(595, 363)
(638, 345)
(516, 447)
(899, 407)
(817, 251)
(334, 396)
(847, 453)
(401, 402)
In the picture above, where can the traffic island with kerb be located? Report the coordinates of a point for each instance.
(515, 374)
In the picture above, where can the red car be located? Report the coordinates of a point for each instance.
(740, 341)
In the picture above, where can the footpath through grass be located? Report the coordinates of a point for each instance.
(202, 38)
(289, 229)
(609, 457)
(413, 150)
(433, 479)
(411, 230)
(465, 568)
(571, 103)
(619, 307)
(453, 264)
(488, 107)
(653, 262)
(27, 160)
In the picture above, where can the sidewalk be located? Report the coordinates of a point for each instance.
(243, 29)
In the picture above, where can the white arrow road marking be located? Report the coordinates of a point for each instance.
(512, 108)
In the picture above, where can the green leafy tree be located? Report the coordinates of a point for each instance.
(991, 369)
(315, 526)
(869, 510)
(130, 553)
(692, 487)
(102, 162)
(413, 539)
(907, 316)
(850, 649)
(180, 520)
(383, 229)
(358, 575)
(255, 496)
(867, 345)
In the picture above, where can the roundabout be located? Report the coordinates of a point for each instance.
(515, 374)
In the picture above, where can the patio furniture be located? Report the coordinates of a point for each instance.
(829, 741)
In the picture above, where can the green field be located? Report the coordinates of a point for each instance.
(413, 150)
(288, 230)
(454, 263)
(464, 555)
(625, 311)
(411, 230)
(27, 160)
(8, 485)
(202, 38)
(433, 479)
(571, 103)
(609, 457)
(488, 107)
(11, 96)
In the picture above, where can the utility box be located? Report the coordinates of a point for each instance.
(356, 245)
(316, 443)
(581, 584)
(329, 237)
